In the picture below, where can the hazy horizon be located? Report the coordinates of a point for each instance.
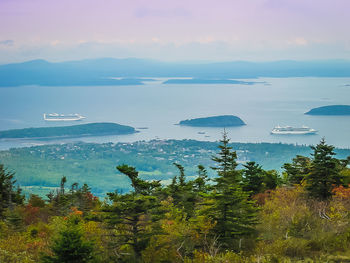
(189, 61)
(197, 30)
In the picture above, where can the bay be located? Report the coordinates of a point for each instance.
(270, 102)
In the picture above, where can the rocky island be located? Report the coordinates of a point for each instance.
(215, 121)
(90, 129)
(330, 110)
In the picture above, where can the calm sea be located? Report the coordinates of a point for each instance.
(157, 106)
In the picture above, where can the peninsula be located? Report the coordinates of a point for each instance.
(330, 110)
(215, 121)
(90, 129)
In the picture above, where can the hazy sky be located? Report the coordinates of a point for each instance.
(174, 29)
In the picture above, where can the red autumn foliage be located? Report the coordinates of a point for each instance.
(31, 214)
(91, 197)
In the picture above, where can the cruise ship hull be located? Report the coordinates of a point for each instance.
(288, 130)
(293, 132)
(62, 117)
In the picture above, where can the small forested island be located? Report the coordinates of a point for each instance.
(214, 121)
(207, 81)
(90, 129)
(330, 110)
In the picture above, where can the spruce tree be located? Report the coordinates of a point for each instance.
(70, 245)
(271, 179)
(140, 186)
(253, 178)
(183, 193)
(324, 173)
(234, 214)
(9, 194)
(226, 163)
(133, 216)
(297, 171)
(200, 183)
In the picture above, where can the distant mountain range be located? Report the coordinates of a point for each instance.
(129, 71)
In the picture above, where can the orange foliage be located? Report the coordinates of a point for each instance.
(341, 192)
(169, 222)
(75, 211)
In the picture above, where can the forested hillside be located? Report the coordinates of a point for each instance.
(40, 167)
(243, 214)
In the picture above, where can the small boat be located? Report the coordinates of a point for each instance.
(63, 117)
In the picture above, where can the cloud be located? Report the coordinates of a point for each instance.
(290, 5)
(152, 12)
(298, 41)
(7, 42)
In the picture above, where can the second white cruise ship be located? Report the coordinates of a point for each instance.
(288, 130)
(63, 117)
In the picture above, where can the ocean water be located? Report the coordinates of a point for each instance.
(274, 101)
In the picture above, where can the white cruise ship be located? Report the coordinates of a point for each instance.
(288, 130)
(63, 117)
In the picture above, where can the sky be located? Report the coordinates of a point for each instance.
(174, 30)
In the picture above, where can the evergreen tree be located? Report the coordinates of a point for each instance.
(140, 186)
(133, 216)
(183, 193)
(324, 173)
(234, 214)
(59, 200)
(178, 189)
(63, 182)
(9, 195)
(173, 190)
(226, 163)
(253, 178)
(271, 179)
(200, 183)
(36, 201)
(70, 246)
(182, 177)
(297, 171)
